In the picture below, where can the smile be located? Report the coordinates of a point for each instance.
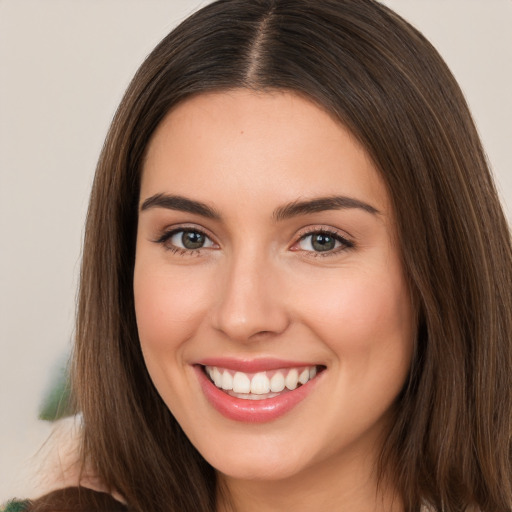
(260, 385)
(256, 392)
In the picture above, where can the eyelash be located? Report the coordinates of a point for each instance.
(345, 244)
(181, 251)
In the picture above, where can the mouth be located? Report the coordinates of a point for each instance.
(260, 385)
(257, 394)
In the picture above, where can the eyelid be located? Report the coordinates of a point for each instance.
(324, 228)
(187, 226)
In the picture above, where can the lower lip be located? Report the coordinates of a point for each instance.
(252, 411)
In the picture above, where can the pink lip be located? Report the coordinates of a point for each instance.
(251, 366)
(252, 411)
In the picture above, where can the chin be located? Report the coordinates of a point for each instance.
(257, 470)
(255, 457)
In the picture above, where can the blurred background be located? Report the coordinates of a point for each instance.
(64, 65)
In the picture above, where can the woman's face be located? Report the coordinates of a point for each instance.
(266, 262)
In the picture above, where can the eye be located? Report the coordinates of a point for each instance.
(191, 240)
(322, 242)
(185, 240)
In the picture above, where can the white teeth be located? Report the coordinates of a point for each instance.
(243, 386)
(217, 377)
(227, 381)
(241, 383)
(292, 379)
(260, 384)
(304, 376)
(277, 382)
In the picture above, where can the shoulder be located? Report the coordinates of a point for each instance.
(57, 464)
(58, 469)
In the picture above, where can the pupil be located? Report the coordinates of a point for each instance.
(323, 242)
(192, 240)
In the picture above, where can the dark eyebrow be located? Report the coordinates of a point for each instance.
(321, 204)
(295, 208)
(180, 203)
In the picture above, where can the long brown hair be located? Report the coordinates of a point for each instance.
(450, 443)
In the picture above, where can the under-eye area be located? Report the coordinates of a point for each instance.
(261, 385)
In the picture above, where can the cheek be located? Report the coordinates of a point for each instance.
(368, 325)
(168, 306)
(363, 314)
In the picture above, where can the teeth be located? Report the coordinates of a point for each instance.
(241, 383)
(255, 385)
(260, 384)
(291, 380)
(217, 377)
(304, 376)
(227, 380)
(277, 382)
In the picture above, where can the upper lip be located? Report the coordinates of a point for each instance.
(252, 365)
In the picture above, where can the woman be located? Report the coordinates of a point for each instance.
(296, 281)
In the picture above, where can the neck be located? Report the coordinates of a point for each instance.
(353, 488)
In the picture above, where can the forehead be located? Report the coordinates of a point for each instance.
(238, 145)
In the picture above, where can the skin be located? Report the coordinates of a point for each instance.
(259, 289)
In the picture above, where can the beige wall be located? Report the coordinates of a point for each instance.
(63, 67)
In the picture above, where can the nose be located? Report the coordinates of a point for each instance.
(252, 301)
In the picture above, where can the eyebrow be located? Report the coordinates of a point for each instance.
(321, 204)
(180, 203)
(293, 209)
